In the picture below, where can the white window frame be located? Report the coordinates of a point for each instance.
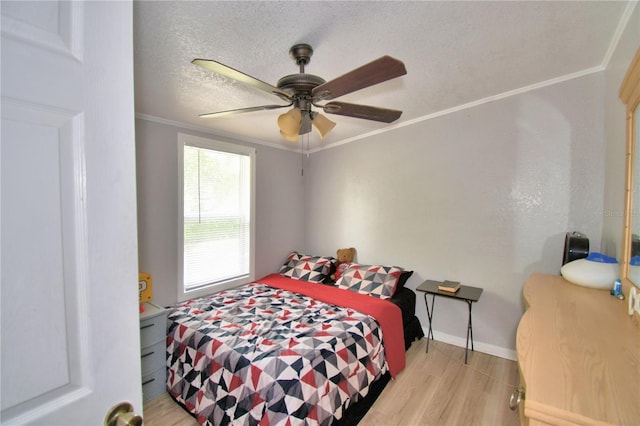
(190, 140)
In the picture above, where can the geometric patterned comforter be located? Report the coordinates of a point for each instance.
(259, 355)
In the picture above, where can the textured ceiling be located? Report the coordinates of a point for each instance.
(455, 53)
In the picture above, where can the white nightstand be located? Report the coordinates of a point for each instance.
(153, 334)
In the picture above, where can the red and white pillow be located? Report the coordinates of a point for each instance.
(307, 268)
(375, 280)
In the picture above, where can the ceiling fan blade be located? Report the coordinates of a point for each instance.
(227, 71)
(382, 69)
(362, 111)
(242, 110)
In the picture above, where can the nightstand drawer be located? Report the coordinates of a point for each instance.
(154, 384)
(153, 357)
(153, 330)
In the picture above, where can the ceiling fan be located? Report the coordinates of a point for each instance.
(302, 91)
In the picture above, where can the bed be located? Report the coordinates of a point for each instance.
(291, 347)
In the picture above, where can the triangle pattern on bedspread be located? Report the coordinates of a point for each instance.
(270, 356)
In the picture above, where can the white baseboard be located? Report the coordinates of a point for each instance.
(486, 348)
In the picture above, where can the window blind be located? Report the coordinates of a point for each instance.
(216, 216)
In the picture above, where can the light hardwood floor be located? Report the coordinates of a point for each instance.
(434, 389)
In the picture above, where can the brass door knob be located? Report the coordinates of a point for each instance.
(122, 415)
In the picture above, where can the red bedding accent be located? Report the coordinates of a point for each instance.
(386, 313)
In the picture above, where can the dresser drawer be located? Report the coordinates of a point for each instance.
(153, 357)
(153, 330)
(154, 384)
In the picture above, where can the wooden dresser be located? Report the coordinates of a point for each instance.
(578, 355)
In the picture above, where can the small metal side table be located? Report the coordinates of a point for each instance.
(467, 293)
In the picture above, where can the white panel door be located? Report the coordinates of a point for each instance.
(69, 313)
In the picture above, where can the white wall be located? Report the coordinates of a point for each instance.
(615, 136)
(280, 210)
(484, 196)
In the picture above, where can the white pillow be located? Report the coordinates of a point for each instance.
(589, 273)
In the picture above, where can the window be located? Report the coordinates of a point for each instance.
(216, 221)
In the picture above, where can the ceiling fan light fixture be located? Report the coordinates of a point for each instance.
(303, 90)
(290, 138)
(290, 122)
(323, 125)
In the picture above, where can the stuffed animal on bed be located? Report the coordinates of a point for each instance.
(345, 256)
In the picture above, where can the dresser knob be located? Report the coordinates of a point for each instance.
(516, 397)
